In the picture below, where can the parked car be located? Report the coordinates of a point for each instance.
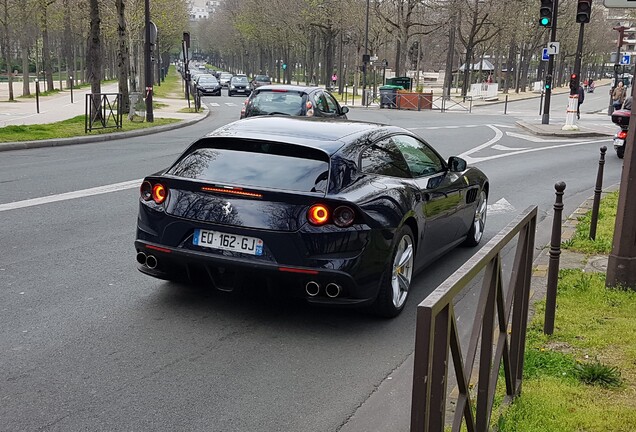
(238, 85)
(293, 100)
(335, 212)
(224, 78)
(259, 81)
(207, 84)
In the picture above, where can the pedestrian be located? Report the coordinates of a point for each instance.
(581, 93)
(334, 79)
(618, 95)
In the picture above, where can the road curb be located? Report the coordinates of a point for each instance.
(540, 130)
(58, 142)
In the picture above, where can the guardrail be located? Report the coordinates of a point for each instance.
(499, 307)
(102, 111)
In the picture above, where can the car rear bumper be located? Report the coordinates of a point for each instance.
(227, 273)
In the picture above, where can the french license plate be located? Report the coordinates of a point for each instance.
(229, 242)
(241, 90)
(619, 142)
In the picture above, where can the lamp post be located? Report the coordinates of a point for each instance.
(71, 78)
(150, 118)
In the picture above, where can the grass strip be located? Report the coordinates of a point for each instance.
(580, 241)
(583, 377)
(171, 87)
(69, 128)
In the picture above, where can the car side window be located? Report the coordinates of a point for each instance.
(384, 158)
(420, 158)
(331, 103)
(319, 102)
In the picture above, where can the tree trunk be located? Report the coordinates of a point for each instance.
(94, 55)
(123, 56)
(67, 44)
(26, 88)
(47, 67)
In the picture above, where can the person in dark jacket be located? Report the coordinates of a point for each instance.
(581, 94)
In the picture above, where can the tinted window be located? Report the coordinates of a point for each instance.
(272, 102)
(262, 78)
(257, 164)
(384, 158)
(421, 159)
(207, 80)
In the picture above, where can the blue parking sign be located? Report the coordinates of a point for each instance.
(544, 55)
(626, 59)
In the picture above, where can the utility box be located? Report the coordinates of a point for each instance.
(404, 82)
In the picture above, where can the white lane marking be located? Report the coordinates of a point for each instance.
(500, 207)
(504, 126)
(487, 158)
(230, 104)
(504, 148)
(537, 139)
(214, 104)
(72, 195)
(445, 127)
(497, 137)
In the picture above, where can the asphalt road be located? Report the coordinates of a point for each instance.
(89, 343)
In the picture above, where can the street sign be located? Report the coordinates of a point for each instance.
(619, 4)
(544, 55)
(553, 48)
(625, 59)
(374, 58)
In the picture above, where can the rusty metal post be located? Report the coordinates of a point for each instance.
(597, 194)
(553, 266)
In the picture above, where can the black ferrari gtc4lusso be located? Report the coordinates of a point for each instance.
(337, 212)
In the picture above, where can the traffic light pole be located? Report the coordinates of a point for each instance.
(548, 91)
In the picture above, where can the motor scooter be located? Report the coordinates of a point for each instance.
(621, 118)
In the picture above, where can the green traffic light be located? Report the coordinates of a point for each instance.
(545, 21)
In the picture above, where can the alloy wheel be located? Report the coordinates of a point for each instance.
(402, 271)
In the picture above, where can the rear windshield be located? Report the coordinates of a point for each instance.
(275, 102)
(256, 164)
(262, 78)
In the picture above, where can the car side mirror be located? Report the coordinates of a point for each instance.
(344, 109)
(456, 164)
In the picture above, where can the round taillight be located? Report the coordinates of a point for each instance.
(310, 109)
(159, 193)
(146, 191)
(343, 216)
(318, 214)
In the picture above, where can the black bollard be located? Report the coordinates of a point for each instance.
(37, 96)
(506, 105)
(553, 266)
(597, 194)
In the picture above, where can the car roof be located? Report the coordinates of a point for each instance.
(328, 135)
(288, 87)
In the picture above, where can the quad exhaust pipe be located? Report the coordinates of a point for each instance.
(149, 261)
(312, 288)
(332, 290)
